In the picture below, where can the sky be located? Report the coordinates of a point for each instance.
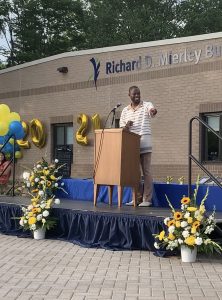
(2, 44)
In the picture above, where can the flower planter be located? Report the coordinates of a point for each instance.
(39, 234)
(188, 255)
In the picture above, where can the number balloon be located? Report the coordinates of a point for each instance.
(96, 121)
(37, 133)
(80, 134)
(22, 143)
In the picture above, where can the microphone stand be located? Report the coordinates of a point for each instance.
(114, 114)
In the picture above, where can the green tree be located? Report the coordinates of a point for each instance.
(35, 29)
(7, 23)
(115, 22)
(47, 27)
(199, 17)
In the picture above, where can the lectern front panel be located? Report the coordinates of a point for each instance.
(107, 157)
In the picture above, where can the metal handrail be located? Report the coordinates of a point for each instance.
(12, 160)
(192, 158)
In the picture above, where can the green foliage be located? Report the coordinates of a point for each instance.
(40, 28)
(34, 29)
(109, 23)
(199, 17)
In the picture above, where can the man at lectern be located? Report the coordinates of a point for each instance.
(136, 118)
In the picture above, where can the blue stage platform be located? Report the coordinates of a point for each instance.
(82, 189)
(109, 227)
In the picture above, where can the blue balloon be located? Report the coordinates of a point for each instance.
(6, 137)
(16, 129)
(3, 139)
(8, 148)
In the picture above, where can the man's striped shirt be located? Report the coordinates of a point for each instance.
(141, 123)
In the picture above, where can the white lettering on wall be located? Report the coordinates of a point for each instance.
(164, 59)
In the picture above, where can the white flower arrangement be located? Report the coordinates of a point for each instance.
(189, 227)
(42, 183)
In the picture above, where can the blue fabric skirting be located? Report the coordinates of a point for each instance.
(82, 189)
(91, 229)
(8, 222)
(105, 230)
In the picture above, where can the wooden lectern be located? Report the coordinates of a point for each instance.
(117, 161)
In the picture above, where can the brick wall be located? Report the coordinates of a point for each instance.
(179, 92)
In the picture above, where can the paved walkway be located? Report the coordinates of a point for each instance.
(52, 269)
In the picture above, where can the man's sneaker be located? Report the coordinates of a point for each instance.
(129, 203)
(145, 204)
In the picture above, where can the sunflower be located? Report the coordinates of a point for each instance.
(46, 172)
(185, 200)
(32, 220)
(193, 230)
(178, 215)
(35, 199)
(191, 208)
(190, 220)
(171, 237)
(161, 235)
(170, 223)
(190, 240)
(31, 178)
(178, 224)
(196, 224)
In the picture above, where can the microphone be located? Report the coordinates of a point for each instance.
(117, 105)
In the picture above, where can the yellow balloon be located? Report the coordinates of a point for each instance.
(11, 141)
(96, 121)
(38, 133)
(23, 143)
(80, 134)
(3, 128)
(4, 110)
(18, 154)
(13, 116)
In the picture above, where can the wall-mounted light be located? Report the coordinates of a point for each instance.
(62, 69)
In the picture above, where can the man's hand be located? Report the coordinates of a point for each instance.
(128, 125)
(153, 112)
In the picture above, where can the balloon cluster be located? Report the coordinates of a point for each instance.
(10, 125)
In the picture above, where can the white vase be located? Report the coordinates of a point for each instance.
(39, 234)
(188, 254)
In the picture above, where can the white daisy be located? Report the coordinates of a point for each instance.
(57, 201)
(45, 213)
